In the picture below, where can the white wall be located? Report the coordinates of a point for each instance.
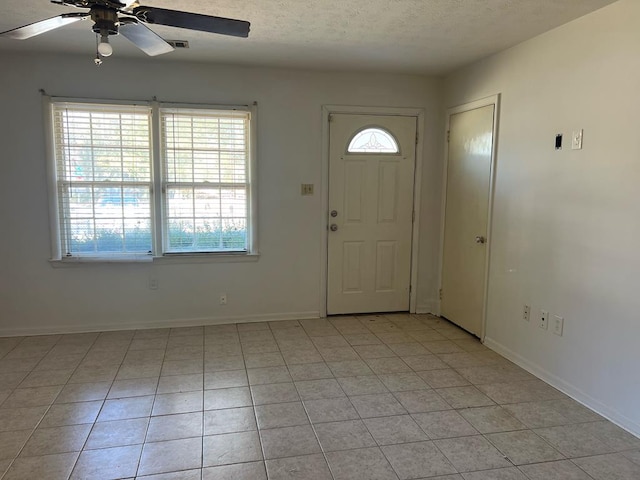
(285, 282)
(566, 224)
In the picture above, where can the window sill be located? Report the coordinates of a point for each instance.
(177, 258)
(169, 259)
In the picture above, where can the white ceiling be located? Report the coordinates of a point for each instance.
(410, 36)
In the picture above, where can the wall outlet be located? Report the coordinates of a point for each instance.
(557, 325)
(544, 319)
(223, 299)
(526, 313)
(153, 283)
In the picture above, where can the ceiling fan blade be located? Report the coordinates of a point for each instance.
(129, 5)
(143, 38)
(193, 21)
(33, 29)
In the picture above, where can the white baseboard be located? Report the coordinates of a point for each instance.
(565, 387)
(138, 325)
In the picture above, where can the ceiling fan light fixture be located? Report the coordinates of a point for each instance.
(104, 47)
(106, 22)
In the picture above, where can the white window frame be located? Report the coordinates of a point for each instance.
(157, 195)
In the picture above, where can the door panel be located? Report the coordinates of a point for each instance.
(466, 217)
(386, 259)
(387, 192)
(369, 253)
(354, 191)
(352, 274)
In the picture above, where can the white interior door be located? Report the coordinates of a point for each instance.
(371, 178)
(466, 217)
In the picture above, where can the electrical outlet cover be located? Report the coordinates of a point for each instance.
(544, 319)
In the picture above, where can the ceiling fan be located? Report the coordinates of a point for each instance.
(128, 18)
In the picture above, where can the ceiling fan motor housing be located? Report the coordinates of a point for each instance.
(105, 20)
(115, 4)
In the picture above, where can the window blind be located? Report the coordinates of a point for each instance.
(104, 178)
(205, 179)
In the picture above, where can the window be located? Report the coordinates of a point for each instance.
(103, 166)
(205, 180)
(116, 196)
(373, 140)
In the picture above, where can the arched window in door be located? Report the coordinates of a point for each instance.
(373, 140)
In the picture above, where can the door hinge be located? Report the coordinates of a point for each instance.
(330, 117)
(410, 288)
(413, 216)
(440, 294)
(448, 135)
(416, 137)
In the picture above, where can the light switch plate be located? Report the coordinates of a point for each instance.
(306, 189)
(576, 140)
(557, 324)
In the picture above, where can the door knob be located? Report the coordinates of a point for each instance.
(334, 213)
(333, 227)
(481, 240)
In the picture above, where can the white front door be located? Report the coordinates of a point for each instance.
(371, 178)
(466, 217)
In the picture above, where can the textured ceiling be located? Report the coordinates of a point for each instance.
(412, 36)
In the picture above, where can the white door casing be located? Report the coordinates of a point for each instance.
(369, 253)
(467, 212)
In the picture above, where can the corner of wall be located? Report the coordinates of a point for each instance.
(565, 387)
(431, 306)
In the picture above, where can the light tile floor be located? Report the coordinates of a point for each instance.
(355, 398)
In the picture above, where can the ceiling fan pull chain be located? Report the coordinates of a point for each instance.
(97, 60)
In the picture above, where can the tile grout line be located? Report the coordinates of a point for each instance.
(253, 405)
(360, 419)
(204, 363)
(52, 402)
(104, 401)
(304, 406)
(379, 446)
